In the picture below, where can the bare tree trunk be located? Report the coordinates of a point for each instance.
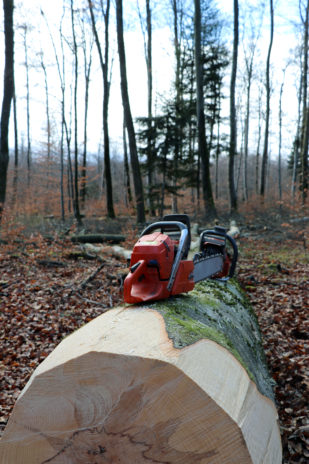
(137, 178)
(280, 140)
(8, 93)
(104, 63)
(233, 126)
(76, 174)
(177, 15)
(247, 121)
(87, 70)
(217, 160)
(48, 132)
(296, 145)
(147, 36)
(16, 150)
(61, 75)
(305, 115)
(25, 29)
(210, 210)
(150, 124)
(266, 135)
(128, 195)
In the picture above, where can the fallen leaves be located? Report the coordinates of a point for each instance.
(40, 304)
(279, 294)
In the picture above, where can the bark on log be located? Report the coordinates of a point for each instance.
(98, 238)
(179, 381)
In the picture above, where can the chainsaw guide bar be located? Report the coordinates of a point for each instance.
(159, 267)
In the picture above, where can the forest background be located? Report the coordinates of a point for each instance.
(68, 135)
(136, 109)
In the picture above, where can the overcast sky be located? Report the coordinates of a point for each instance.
(286, 12)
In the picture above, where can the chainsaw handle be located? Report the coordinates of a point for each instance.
(235, 255)
(164, 225)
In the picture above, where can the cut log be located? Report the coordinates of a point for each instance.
(179, 381)
(98, 238)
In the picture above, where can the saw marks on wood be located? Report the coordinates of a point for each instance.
(105, 408)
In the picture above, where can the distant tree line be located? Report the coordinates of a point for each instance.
(176, 146)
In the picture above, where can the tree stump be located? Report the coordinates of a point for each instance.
(180, 381)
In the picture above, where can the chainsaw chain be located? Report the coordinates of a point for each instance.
(204, 256)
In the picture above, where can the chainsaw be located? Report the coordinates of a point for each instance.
(159, 265)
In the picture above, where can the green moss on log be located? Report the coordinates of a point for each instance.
(219, 311)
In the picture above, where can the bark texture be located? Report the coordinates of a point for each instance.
(8, 92)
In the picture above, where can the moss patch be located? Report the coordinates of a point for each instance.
(219, 311)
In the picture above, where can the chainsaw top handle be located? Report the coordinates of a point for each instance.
(182, 246)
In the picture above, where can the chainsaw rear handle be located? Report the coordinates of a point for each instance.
(221, 231)
(183, 244)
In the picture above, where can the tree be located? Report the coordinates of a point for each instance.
(104, 63)
(148, 59)
(267, 116)
(8, 93)
(305, 110)
(87, 69)
(249, 52)
(210, 209)
(76, 183)
(233, 128)
(25, 29)
(137, 178)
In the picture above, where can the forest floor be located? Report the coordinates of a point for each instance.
(49, 287)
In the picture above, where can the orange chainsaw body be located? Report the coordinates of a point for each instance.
(150, 269)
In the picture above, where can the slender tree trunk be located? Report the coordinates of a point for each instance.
(210, 210)
(104, 63)
(25, 28)
(62, 167)
(16, 150)
(266, 136)
(137, 178)
(257, 157)
(76, 173)
(61, 75)
(48, 132)
(150, 154)
(8, 93)
(126, 169)
(217, 160)
(296, 144)
(280, 141)
(305, 115)
(177, 14)
(233, 126)
(87, 69)
(247, 122)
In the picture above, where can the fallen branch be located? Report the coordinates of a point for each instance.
(91, 277)
(49, 263)
(98, 238)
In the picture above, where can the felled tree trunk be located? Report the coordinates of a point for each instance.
(179, 381)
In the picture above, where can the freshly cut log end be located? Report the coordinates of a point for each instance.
(118, 391)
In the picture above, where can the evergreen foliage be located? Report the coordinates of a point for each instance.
(173, 133)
